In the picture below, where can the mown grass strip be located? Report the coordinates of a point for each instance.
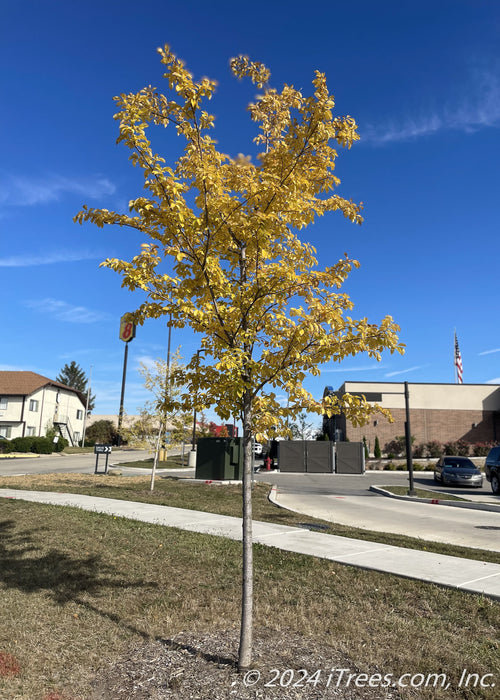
(422, 493)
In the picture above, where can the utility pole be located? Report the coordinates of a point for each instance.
(409, 457)
(86, 408)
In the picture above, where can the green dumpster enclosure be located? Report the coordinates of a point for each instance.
(219, 459)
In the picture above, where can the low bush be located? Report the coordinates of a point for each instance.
(37, 445)
(103, 431)
(59, 445)
(434, 448)
(22, 444)
(5, 447)
(419, 451)
(42, 446)
(481, 449)
(395, 447)
(459, 447)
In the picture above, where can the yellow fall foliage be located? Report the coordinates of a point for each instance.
(239, 275)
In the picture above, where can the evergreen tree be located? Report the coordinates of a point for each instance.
(72, 375)
(377, 452)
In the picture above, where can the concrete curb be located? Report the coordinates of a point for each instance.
(438, 501)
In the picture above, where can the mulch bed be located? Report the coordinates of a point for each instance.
(205, 668)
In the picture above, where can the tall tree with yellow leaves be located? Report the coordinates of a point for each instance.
(238, 274)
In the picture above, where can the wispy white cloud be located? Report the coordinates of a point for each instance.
(480, 108)
(405, 371)
(347, 370)
(62, 311)
(493, 381)
(30, 191)
(489, 352)
(146, 360)
(48, 258)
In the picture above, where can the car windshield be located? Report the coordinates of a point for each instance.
(459, 463)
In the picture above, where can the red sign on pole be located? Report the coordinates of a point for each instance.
(127, 329)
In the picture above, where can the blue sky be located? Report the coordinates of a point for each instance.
(422, 80)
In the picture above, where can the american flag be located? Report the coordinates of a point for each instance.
(458, 363)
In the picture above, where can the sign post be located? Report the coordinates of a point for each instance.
(99, 450)
(127, 333)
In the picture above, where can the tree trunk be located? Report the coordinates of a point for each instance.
(245, 651)
(155, 461)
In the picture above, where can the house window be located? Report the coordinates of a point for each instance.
(79, 415)
(3, 403)
(5, 431)
(33, 405)
(30, 430)
(76, 437)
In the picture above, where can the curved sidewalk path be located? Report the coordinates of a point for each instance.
(453, 572)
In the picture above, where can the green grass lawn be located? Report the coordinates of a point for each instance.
(78, 589)
(422, 493)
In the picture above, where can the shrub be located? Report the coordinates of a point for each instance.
(103, 431)
(480, 449)
(419, 451)
(394, 447)
(463, 448)
(42, 446)
(377, 452)
(5, 447)
(397, 446)
(22, 444)
(434, 448)
(459, 447)
(59, 445)
(449, 448)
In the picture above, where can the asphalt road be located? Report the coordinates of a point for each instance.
(58, 463)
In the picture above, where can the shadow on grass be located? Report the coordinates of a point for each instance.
(194, 651)
(63, 577)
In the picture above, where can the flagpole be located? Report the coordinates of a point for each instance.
(455, 354)
(459, 370)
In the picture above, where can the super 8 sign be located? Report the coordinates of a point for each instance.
(127, 329)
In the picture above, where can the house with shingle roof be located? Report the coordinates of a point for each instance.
(31, 404)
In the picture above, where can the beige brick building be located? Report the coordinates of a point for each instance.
(442, 412)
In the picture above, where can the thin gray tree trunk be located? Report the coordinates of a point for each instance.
(245, 651)
(155, 461)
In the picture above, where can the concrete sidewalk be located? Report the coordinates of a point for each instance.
(453, 572)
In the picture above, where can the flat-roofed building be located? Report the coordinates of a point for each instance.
(440, 412)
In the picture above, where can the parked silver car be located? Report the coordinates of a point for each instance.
(457, 471)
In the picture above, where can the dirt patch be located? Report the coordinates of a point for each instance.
(285, 666)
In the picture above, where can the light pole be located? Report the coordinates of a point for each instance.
(409, 456)
(86, 408)
(192, 454)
